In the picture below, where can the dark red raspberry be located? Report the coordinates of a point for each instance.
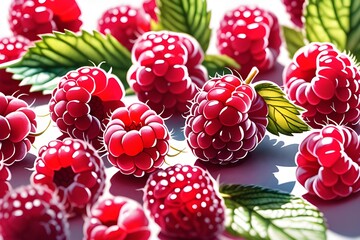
(17, 123)
(125, 23)
(251, 36)
(5, 177)
(150, 8)
(326, 83)
(116, 218)
(166, 71)
(328, 162)
(32, 213)
(32, 17)
(83, 102)
(184, 201)
(228, 119)
(72, 169)
(295, 9)
(137, 139)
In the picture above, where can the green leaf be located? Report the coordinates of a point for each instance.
(219, 64)
(187, 16)
(56, 54)
(283, 115)
(294, 39)
(258, 213)
(336, 21)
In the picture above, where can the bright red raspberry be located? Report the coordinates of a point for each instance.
(116, 218)
(137, 139)
(251, 36)
(227, 120)
(184, 201)
(328, 162)
(17, 123)
(73, 169)
(32, 213)
(125, 23)
(295, 9)
(32, 17)
(150, 8)
(326, 83)
(83, 102)
(5, 177)
(166, 71)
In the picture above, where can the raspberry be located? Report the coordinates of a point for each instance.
(73, 169)
(137, 139)
(17, 122)
(326, 83)
(150, 8)
(5, 177)
(251, 36)
(116, 218)
(32, 17)
(166, 71)
(83, 101)
(32, 213)
(228, 119)
(125, 23)
(295, 9)
(11, 48)
(184, 202)
(328, 162)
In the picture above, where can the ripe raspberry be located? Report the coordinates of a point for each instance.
(5, 177)
(228, 119)
(295, 9)
(166, 71)
(32, 213)
(326, 83)
(17, 122)
(251, 36)
(116, 218)
(32, 17)
(137, 139)
(150, 8)
(184, 202)
(328, 162)
(73, 169)
(125, 23)
(83, 101)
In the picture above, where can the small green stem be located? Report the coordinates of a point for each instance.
(129, 91)
(254, 71)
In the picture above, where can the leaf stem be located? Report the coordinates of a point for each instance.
(254, 71)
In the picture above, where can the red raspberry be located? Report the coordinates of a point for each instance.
(326, 83)
(295, 9)
(116, 218)
(5, 177)
(228, 119)
(166, 71)
(32, 17)
(328, 162)
(184, 202)
(137, 139)
(17, 122)
(125, 23)
(83, 101)
(32, 213)
(150, 8)
(73, 169)
(251, 36)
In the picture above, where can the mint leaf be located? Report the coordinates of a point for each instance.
(219, 64)
(56, 54)
(258, 213)
(294, 40)
(283, 115)
(187, 16)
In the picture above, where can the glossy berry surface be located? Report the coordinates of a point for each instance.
(125, 23)
(295, 9)
(150, 8)
(72, 169)
(166, 71)
(30, 18)
(83, 101)
(32, 213)
(326, 83)
(17, 122)
(328, 162)
(251, 36)
(116, 218)
(5, 177)
(227, 119)
(136, 139)
(184, 201)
